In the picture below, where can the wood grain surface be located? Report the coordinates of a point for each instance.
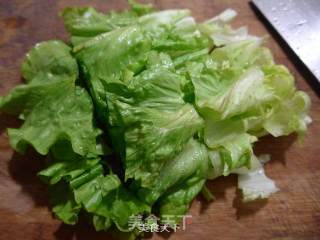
(292, 213)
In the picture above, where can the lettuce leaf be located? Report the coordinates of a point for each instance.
(52, 106)
(222, 33)
(157, 116)
(87, 22)
(179, 102)
(175, 203)
(242, 95)
(82, 183)
(254, 183)
(100, 195)
(83, 23)
(64, 205)
(192, 162)
(147, 110)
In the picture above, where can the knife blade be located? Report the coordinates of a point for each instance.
(298, 23)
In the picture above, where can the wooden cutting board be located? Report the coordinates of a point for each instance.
(292, 213)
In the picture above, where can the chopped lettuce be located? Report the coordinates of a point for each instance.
(177, 200)
(51, 104)
(148, 109)
(82, 183)
(255, 184)
(143, 107)
(192, 162)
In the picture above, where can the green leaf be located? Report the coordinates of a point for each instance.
(176, 202)
(254, 184)
(161, 123)
(124, 49)
(103, 196)
(159, 19)
(49, 61)
(101, 223)
(87, 22)
(52, 106)
(66, 170)
(289, 112)
(64, 205)
(242, 95)
(79, 183)
(192, 161)
(83, 23)
(148, 109)
(222, 33)
(140, 9)
(181, 102)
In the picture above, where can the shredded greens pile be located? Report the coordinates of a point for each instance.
(142, 107)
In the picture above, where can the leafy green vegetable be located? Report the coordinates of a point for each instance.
(178, 102)
(50, 104)
(192, 162)
(67, 169)
(255, 184)
(65, 207)
(78, 182)
(148, 108)
(237, 92)
(85, 22)
(103, 196)
(176, 202)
